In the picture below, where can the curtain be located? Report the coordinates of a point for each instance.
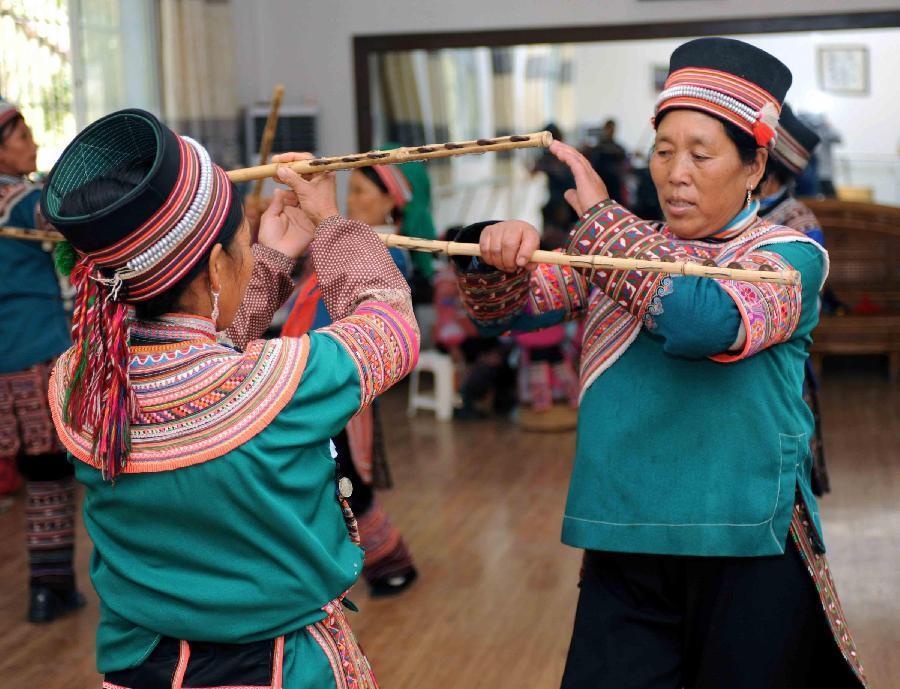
(199, 97)
(504, 99)
(402, 99)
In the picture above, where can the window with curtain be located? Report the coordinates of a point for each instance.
(66, 63)
(36, 70)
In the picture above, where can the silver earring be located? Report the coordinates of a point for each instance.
(749, 198)
(215, 309)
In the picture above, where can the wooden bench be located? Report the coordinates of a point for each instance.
(863, 241)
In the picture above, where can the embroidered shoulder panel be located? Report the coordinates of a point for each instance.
(198, 399)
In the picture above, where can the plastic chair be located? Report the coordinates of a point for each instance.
(440, 401)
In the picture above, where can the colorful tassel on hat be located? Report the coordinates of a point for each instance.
(99, 399)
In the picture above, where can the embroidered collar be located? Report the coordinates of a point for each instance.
(196, 399)
(170, 327)
(739, 223)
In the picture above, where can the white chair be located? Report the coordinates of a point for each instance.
(441, 400)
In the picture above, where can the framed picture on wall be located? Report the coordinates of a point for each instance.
(843, 69)
(659, 74)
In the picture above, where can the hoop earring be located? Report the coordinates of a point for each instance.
(215, 308)
(749, 198)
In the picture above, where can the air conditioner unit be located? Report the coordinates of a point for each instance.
(297, 130)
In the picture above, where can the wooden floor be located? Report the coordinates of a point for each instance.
(481, 505)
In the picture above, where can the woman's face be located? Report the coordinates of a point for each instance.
(18, 152)
(700, 178)
(236, 267)
(366, 202)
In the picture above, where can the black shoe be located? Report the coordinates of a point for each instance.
(392, 585)
(469, 414)
(47, 604)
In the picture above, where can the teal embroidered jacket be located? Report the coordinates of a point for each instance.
(34, 326)
(226, 524)
(693, 435)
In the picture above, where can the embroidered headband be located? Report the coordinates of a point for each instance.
(730, 80)
(8, 111)
(795, 144)
(396, 183)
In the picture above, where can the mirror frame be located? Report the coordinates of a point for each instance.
(364, 46)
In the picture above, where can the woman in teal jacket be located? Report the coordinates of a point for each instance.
(223, 543)
(690, 492)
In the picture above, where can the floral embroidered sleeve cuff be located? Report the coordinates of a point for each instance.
(270, 286)
(611, 230)
(771, 314)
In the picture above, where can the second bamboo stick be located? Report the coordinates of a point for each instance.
(784, 277)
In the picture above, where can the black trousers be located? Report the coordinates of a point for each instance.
(674, 622)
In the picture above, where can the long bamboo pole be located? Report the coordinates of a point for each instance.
(268, 136)
(398, 155)
(777, 277)
(594, 262)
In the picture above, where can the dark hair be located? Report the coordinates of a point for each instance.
(373, 177)
(746, 145)
(106, 190)
(7, 129)
(778, 172)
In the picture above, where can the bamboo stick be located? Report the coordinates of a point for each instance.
(30, 235)
(777, 277)
(265, 145)
(786, 277)
(398, 155)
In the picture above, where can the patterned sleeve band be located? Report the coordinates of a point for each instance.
(493, 298)
(769, 313)
(383, 343)
(609, 229)
(270, 286)
(496, 298)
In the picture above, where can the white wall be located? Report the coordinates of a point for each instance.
(307, 44)
(869, 124)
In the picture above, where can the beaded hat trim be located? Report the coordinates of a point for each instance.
(163, 249)
(723, 95)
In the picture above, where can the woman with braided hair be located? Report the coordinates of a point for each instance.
(224, 545)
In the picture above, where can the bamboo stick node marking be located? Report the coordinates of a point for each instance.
(398, 155)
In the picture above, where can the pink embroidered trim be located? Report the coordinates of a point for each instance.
(348, 663)
(183, 657)
(384, 346)
(554, 288)
(817, 566)
(770, 313)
